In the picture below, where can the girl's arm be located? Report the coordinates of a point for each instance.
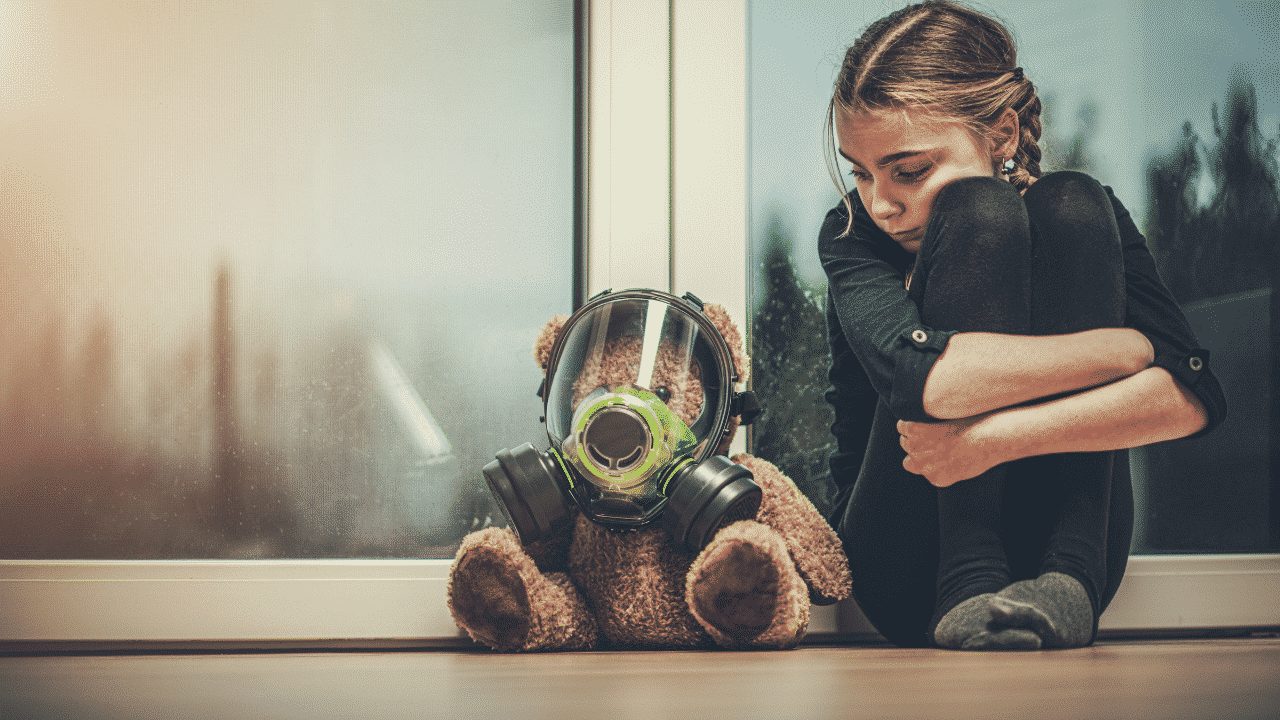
(982, 371)
(871, 313)
(964, 385)
(1141, 409)
(1148, 407)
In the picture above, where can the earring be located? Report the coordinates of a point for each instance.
(1007, 167)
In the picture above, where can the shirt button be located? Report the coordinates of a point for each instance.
(1195, 363)
(919, 335)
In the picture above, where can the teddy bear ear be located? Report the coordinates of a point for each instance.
(732, 337)
(547, 339)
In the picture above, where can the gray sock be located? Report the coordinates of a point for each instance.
(1003, 639)
(965, 627)
(1055, 606)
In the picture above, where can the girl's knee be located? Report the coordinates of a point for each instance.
(1066, 181)
(1078, 258)
(1068, 198)
(985, 212)
(986, 201)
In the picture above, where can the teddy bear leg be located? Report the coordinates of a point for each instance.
(497, 594)
(743, 588)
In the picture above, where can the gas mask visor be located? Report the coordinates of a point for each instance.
(640, 387)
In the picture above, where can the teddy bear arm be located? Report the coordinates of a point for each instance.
(814, 546)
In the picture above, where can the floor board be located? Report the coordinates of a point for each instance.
(1222, 678)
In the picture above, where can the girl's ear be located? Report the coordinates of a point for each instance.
(546, 339)
(732, 337)
(1006, 136)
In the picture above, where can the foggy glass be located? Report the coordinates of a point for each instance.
(271, 273)
(1177, 108)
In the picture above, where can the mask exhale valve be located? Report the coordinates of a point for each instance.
(616, 439)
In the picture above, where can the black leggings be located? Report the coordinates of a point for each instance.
(992, 260)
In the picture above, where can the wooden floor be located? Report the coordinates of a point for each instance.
(1218, 679)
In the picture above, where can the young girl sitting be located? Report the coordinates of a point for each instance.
(998, 339)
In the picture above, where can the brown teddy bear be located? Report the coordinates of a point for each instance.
(587, 586)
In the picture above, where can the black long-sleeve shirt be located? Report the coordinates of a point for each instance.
(880, 349)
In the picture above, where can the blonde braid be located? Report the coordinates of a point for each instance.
(1027, 157)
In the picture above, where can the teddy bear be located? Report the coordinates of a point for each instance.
(589, 586)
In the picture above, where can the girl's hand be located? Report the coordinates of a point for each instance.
(949, 451)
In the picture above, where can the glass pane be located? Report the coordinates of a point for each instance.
(257, 265)
(1177, 111)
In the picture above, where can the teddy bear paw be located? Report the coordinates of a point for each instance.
(745, 591)
(489, 598)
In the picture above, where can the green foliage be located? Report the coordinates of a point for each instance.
(789, 373)
(1227, 243)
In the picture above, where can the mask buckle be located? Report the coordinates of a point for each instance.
(746, 406)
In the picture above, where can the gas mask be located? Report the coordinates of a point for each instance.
(638, 394)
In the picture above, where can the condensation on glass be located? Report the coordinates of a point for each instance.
(1177, 112)
(270, 273)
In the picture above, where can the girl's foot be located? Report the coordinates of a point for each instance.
(967, 627)
(1055, 606)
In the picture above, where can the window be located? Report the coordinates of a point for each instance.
(326, 196)
(258, 266)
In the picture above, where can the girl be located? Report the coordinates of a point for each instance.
(998, 339)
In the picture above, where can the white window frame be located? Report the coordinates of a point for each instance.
(666, 207)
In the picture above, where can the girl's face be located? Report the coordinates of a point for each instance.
(900, 162)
